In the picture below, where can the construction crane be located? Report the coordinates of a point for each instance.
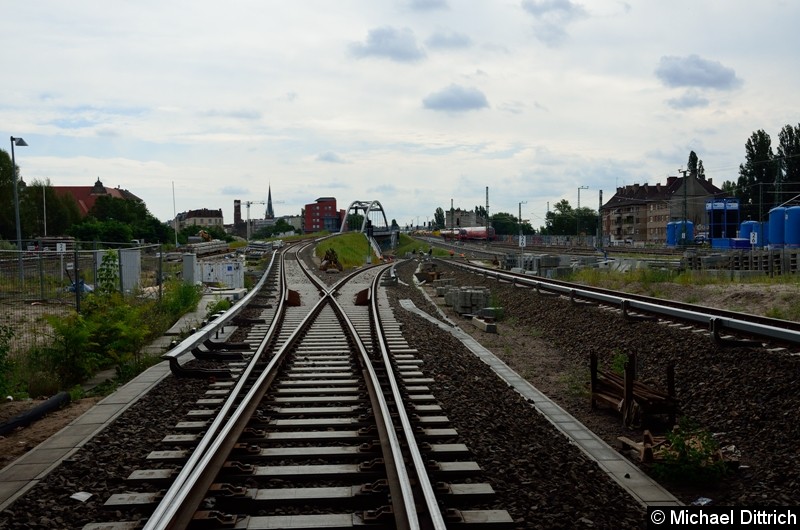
(248, 203)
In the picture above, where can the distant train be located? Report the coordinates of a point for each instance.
(470, 233)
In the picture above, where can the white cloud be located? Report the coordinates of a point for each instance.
(427, 5)
(448, 40)
(390, 43)
(412, 103)
(330, 157)
(694, 71)
(455, 98)
(551, 17)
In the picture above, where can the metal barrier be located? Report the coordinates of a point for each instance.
(38, 283)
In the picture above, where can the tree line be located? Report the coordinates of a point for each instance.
(45, 213)
(563, 220)
(767, 178)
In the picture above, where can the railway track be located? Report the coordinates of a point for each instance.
(322, 417)
(499, 454)
(728, 328)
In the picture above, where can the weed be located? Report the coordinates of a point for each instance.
(775, 312)
(576, 382)
(692, 298)
(618, 361)
(692, 456)
(6, 363)
(76, 393)
(219, 305)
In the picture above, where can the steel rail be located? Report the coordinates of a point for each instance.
(204, 333)
(186, 495)
(437, 521)
(167, 512)
(767, 328)
(405, 511)
(192, 492)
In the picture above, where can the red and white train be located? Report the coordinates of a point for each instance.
(470, 233)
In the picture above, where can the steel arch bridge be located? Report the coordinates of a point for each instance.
(367, 207)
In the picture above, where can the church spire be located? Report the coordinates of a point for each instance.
(270, 212)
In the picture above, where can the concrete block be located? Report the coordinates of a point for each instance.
(488, 327)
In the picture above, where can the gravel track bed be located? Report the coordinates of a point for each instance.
(746, 397)
(101, 466)
(749, 395)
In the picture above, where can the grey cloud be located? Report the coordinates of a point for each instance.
(694, 71)
(441, 39)
(550, 34)
(427, 5)
(552, 16)
(238, 114)
(512, 107)
(395, 44)
(562, 8)
(455, 98)
(234, 190)
(690, 99)
(330, 157)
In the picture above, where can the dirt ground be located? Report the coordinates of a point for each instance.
(779, 300)
(23, 439)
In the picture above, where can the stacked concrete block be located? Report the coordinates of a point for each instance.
(442, 285)
(467, 299)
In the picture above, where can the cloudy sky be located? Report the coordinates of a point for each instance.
(414, 103)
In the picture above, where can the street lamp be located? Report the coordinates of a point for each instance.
(521, 238)
(578, 211)
(19, 142)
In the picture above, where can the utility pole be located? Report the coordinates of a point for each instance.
(521, 238)
(685, 204)
(600, 221)
(248, 203)
(487, 216)
(578, 211)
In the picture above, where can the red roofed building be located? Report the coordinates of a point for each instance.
(86, 196)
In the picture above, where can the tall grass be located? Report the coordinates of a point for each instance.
(352, 249)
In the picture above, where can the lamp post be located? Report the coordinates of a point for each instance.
(578, 211)
(20, 143)
(521, 238)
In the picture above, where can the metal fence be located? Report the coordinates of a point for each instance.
(53, 281)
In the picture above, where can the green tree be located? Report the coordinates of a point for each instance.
(788, 163)
(215, 232)
(110, 231)
(110, 212)
(507, 224)
(691, 165)
(354, 222)
(7, 220)
(45, 212)
(695, 166)
(438, 218)
(756, 176)
(729, 187)
(266, 232)
(561, 221)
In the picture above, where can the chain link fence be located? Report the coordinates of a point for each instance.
(52, 280)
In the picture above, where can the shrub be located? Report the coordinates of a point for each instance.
(179, 298)
(693, 455)
(72, 356)
(223, 304)
(6, 364)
